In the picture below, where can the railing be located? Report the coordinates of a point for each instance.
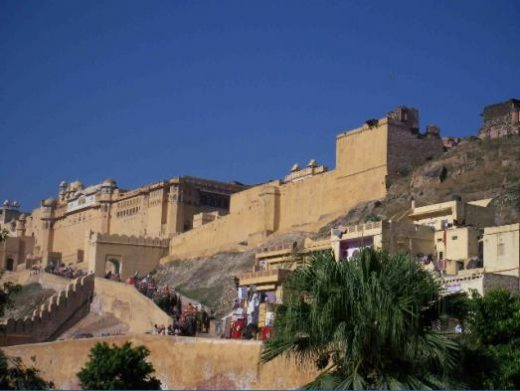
(265, 273)
(278, 247)
(361, 227)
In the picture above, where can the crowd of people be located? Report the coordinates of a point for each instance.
(65, 271)
(192, 320)
(187, 321)
(112, 276)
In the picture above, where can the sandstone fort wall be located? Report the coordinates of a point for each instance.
(366, 158)
(180, 363)
(128, 254)
(55, 316)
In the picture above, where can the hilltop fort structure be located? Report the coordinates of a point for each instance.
(62, 228)
(501, 119)
(368, 159)
(99, 227)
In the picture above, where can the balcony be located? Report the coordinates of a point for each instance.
(276, 277)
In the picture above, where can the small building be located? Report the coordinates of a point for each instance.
(393, 237)
(501, 119)
(502, 249)
(260, 290)
(480, 281)
(458, 229)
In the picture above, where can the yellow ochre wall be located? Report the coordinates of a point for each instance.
(502, 249)
(180, 363)
(303, 205)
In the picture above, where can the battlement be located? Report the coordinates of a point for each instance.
(128, 240)
(285, 247)
(501, 119)
(61, 311)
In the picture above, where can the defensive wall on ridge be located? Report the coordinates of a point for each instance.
(180, 363)
(56, 315)
(367, 159)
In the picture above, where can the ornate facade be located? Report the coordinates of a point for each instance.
(60, 226)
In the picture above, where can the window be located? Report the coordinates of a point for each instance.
(454, 237)
(500, 249)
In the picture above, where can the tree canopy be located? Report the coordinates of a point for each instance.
(366, 323)
(15, 376)
(118, 368)
(492, 341)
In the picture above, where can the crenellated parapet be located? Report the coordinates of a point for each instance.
(52, 318)
(96, 237)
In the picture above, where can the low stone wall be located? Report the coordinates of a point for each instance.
(180, 363)
(59, 313)
(495, 281)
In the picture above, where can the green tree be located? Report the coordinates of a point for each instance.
(365, 323)
(492, 341)
(15, 376)
(118, 368)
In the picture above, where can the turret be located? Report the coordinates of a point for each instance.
(20, 225)
(63, 190)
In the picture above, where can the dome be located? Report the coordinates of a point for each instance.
(6, 203)
(48, 202)
(15, 204)
(312, 163)
(109, 182)
(63, 184)
(295, 167)
(76, 185)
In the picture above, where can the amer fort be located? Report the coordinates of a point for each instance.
(92, 243)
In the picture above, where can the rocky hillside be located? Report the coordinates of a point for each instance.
(211, 280)
(473, 170)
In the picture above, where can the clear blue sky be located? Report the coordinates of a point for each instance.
(146, 90)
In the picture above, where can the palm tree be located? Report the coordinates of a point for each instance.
(365, 323)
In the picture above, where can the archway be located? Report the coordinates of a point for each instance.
(113, 266)
(9, 265)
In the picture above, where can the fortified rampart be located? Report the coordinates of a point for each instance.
(180, 363)
(501, 119)
(367, 159)
(60, 312)
(123, 254)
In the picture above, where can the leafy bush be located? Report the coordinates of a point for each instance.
(118, 368)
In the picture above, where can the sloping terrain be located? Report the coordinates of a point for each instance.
(208, 280)
(211, 280)
(473, 170)
(30, 297)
